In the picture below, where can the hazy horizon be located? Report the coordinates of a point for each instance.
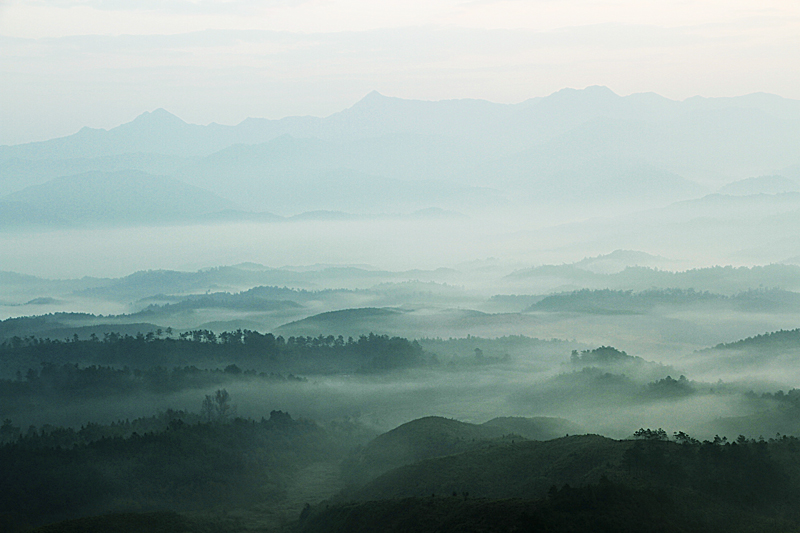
(66, 65)
(367, 93)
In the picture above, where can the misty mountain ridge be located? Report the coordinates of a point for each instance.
(606, 308)
(136, 197)
(158, 132)
(17, 215)
(384, 174)
(726, 280)
(119, 197)
(717, 206)
(242, 277)
(628, 302)
(618, 260)
(570, 106)
(385, 154)
(621, 270)
(17, 173)
(774, 184)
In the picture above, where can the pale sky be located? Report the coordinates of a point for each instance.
(67, 64)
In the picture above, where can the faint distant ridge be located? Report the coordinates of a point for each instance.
(774, 184)
(146, 133)
(15, 214)
(727, 280)
(118, 197)
(618, 260)
(377, 115)
(605, 301)
(161, 132)
(132, 197)
(428, 213)
(612, 263)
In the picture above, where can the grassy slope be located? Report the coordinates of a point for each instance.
(503, 469)
(433, 436)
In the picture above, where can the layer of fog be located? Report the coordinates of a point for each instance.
(483, 251)
(390, 243)
(116, 252)
(384, 403)
(613, 400)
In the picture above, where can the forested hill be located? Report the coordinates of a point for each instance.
(584, 483)
(581, 483)
(171, 461)
(250, 349)
(434, 436)
(779, 341)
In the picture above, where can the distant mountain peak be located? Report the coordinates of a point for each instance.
(158, 116)
(592, 91)
(159, 112)
(373, 95)
(372, 99)
(599, 89)
(625, 254)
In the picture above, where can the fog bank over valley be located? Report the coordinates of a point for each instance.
(590, 297)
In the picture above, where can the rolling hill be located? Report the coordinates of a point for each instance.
(434, 436)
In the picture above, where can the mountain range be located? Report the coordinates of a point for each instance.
(389, 155)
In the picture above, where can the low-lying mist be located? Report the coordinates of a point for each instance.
(455, 282)
(612, 399)
(513, 236)
(391, 243)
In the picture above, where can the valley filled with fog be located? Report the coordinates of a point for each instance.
(582, 263)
